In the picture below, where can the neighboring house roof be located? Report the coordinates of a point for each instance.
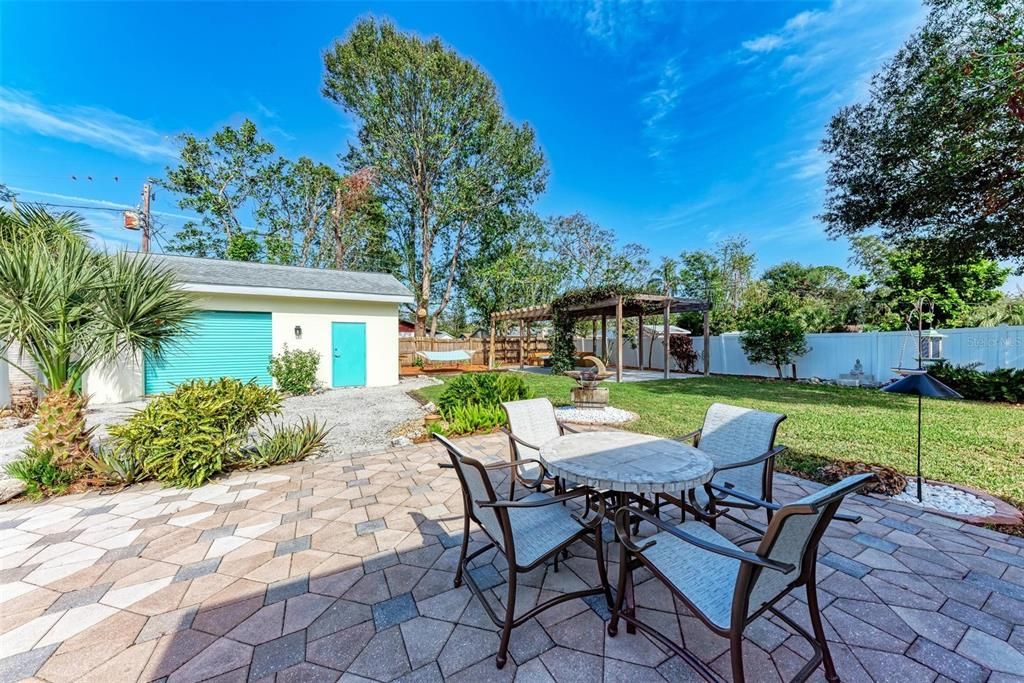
(241, 277)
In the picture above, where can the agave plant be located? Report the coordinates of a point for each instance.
(70, 307)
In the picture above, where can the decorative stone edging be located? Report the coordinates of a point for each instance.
(1004, 514)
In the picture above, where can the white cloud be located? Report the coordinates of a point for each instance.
(613, 24)
(93, 126)
(765, 43)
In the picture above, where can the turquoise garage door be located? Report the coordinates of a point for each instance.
(220, 344)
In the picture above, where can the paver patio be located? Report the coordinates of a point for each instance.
(343, 568)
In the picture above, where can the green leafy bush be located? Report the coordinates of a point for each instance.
(115, 466)
(776, 339)
(472, 402)
(288, 443)
(484, 388)
(185, 437)
(1005, 384)
(474, 417)
(295, 370)
(42, 475)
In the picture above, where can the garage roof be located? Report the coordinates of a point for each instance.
(215, 275)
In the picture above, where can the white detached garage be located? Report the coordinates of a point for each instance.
(253, 310)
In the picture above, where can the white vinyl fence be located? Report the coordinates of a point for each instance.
(833, 354)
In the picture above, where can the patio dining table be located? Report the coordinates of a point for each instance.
(633, 467)
(627, 462)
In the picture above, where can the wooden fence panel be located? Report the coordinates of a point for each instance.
(506, 349)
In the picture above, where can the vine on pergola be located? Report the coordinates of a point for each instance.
(563, 347)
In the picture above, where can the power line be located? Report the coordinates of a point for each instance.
(83, 207)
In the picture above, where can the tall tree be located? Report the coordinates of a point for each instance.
(722, 277)
(897, 278)
(445, 155)
(220, 178)
(590, 255)
(934, 156)
(822, 298)
(517, 269)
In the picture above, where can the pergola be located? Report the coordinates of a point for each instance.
(620, 306)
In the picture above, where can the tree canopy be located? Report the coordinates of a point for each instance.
(447, 158)
(933, 158)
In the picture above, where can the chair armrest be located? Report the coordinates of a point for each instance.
(730, 490)
(752, 461)
(575, 493)
(522, 461)
(519, 441)
(689, 437)
(742, 555)
(566, 428)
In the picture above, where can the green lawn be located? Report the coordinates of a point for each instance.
(965, 442)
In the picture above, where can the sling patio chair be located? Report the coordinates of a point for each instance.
(741, 444)
(726, 587)
(527, 532)
(531, 423)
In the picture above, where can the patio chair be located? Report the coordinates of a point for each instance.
(527, 532)
(531, 424)
(726, 587)
(741, 444)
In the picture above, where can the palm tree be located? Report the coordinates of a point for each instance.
(23, 221)
(666, 280)
(70, 307)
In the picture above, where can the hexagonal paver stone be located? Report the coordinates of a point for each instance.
(273, 656)
(368, 527)
(287, 588)
(486, 576)
(394, 611)
(424, 639)
(197, 569)
(947, 663)
(383, 658)
(991, 652)
(295, 545)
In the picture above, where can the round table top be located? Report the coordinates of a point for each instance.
(626, 462)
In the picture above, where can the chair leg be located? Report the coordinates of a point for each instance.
(736, 656)
(819, 631)
(510, 613)
(465, 549)
(602, 570)
(620, 591)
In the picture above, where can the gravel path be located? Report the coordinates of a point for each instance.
(363, 418)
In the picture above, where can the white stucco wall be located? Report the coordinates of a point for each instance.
(123, 381)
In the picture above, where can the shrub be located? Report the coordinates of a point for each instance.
(776, 339)
(1005, 384)
(288, 443)
(472, 402)
(41, 473)
(681, 348)
(185, 437)
(474, 417)
(115, 466)
(295, 370)
(484, 388)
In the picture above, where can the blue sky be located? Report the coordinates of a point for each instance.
(674, 124)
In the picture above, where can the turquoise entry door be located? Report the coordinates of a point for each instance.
(219, 344)
(348, 354)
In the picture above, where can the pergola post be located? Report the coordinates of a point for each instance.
(640, 340)
(666, 338)
(618, 339)
(593, 336)
(604, 338)
(490, 360)
(707, 342)
(522, 358)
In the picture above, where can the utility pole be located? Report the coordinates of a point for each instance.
(146, 191)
